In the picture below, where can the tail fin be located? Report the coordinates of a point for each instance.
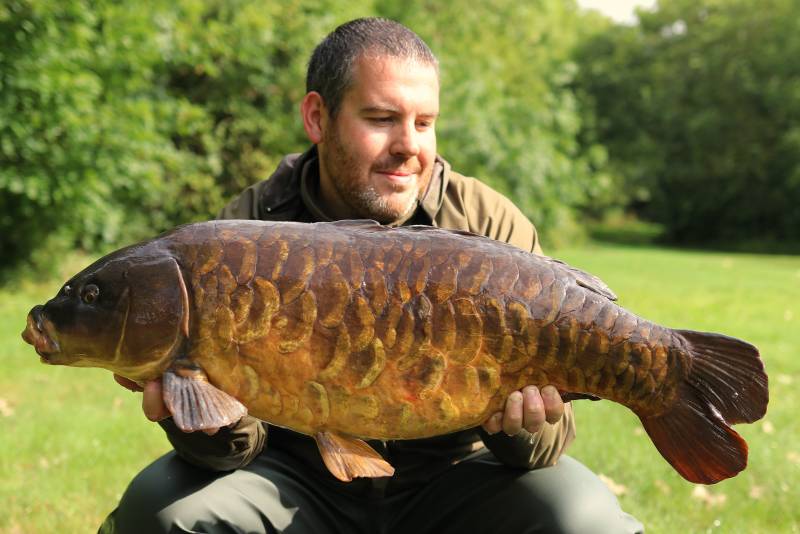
(726, 385)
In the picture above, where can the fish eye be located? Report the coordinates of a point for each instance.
(90, 293)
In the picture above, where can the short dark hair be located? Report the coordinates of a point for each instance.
(330, 69)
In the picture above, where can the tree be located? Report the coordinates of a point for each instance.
(699, 108)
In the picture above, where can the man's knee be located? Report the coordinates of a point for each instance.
(171, 495)
(158, 497)
(577, 501)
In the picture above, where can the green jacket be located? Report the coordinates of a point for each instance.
(452, 201)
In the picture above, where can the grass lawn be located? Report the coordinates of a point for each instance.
(71, 439)
(753, 297)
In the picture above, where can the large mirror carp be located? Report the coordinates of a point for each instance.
(351, 330)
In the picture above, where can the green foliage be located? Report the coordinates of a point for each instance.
(699, 107)
(118, 121)
(243, 64)
(84, 131)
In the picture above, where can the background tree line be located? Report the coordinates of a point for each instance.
(698, 108)
(119, 120)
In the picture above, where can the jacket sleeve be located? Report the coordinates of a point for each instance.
(493, 215)
(230, 448)
(237, 445)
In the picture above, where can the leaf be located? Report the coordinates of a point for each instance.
(5, 408)
(704, 495)
(663, 487)
(784, 379)
(616, 489)
(756, 492)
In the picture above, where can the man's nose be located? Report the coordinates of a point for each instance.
(406, 140)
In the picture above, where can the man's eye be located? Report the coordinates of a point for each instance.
(381, 119)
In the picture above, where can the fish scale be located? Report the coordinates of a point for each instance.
(471, 277)
(558, 345)
(352, 330)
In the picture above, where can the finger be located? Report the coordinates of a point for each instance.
(494, 424)
(553, 404)
(127, 383)
(533, 414)
(153, 401)
(512, 416)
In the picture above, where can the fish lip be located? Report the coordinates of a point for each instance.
(35, 334)
(47, 349)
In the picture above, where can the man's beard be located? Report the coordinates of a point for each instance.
(356, 191)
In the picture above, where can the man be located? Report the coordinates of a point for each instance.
(370, 112)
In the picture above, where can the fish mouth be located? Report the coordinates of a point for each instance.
(35, 334)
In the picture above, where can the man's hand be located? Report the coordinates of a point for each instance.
(152, 400)
(527, 409)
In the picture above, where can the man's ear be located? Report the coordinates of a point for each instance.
(315, 116)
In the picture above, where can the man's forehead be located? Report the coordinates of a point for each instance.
(379, 81)
(383, 64)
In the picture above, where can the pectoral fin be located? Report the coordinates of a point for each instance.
(197, 405)
(347, 457)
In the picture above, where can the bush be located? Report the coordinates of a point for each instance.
(86, 150)
(117, 122)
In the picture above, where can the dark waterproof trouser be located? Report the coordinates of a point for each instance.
(277, 493)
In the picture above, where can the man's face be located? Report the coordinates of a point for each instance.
(377, 155)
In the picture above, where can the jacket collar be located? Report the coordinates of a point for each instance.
(297, 178)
